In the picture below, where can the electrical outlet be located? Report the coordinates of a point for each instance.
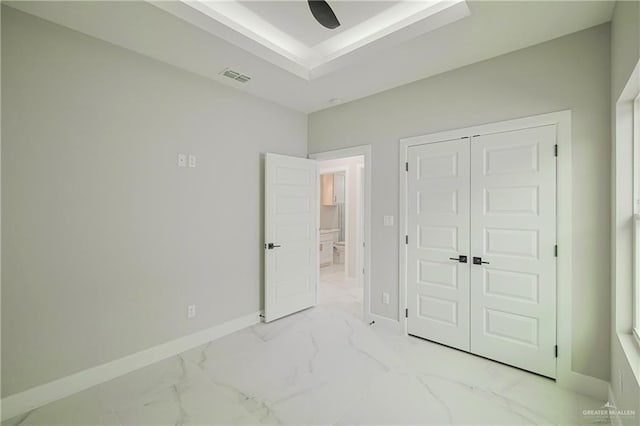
(385, 298)
(191, 311)
(182, 160)
(192, 160)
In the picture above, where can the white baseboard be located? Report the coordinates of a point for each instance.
(38, 396)
(615, 420)
(385, 322)
(585, 385)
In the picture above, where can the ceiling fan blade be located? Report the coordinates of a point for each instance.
(321, 10)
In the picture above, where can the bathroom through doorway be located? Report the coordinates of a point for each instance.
(341, 233)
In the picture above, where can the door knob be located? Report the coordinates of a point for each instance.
(461, 259)
(271, 246)
(478, 261)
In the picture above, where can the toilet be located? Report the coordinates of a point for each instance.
(338, 252)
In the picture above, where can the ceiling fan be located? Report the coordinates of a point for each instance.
(323, 13)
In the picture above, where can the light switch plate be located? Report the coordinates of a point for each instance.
(192, 160)
(388, 221)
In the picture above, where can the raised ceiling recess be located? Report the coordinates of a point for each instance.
(286, 33)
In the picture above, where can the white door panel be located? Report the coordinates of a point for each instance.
(291, 209)
(513, 211)
(492, 197)
(438, 227)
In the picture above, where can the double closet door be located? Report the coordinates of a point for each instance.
(481, 265)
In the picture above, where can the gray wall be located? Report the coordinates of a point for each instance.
(625, 53)
(105, 241)
(568, 73)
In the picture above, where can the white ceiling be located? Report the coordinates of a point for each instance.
(281, 38)
(491, 29)
(296, 20)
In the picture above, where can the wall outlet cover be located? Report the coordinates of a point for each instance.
(388, 221)
(182, 160)
(191, 311)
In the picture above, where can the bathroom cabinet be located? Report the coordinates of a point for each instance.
(326, 249)
(332, 189)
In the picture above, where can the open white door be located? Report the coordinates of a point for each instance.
(291, 235)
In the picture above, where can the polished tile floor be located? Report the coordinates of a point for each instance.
(341, 291)
(321, 366)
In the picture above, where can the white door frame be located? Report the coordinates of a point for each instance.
(566, 377)
(365, 151)
(360, 217)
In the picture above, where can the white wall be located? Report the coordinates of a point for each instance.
(351, 165)
(104, 240)
(571, 72)
(625, 53)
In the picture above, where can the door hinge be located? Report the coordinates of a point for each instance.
(556, 350)
(406, 166)
(555, 150)
(406, 239)
(555, 250)
(406, 313)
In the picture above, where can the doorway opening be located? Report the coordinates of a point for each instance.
(343, 231)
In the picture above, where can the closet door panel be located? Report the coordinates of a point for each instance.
(513, 232)
(438, 233)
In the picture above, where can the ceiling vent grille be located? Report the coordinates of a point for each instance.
(235, 75)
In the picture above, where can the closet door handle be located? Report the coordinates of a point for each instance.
(461, 259)
(478, 261)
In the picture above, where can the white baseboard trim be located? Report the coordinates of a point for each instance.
(38, 396)
(615, 420)
(585, 385)
(385, 322)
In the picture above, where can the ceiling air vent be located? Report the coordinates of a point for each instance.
(235, 75)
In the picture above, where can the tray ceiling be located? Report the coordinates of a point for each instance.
(202, 45)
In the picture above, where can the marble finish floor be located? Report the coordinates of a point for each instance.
(341, 291)
(321, 366)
